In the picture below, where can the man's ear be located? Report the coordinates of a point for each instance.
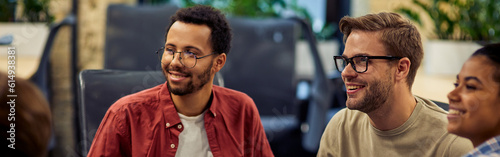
(219, 62)
(403, 68)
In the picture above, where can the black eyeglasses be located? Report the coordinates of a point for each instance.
(187, 58)
(358, 63)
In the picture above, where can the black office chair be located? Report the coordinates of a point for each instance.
(262, 64)
(132, 33)
(443, 105)
(41, 78)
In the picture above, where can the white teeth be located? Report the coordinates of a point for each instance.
(453, 111)
(353, 87)
(176, 76)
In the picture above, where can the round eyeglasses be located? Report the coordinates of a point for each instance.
(187, 58)
(358, 63)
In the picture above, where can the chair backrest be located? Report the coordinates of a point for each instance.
(443, 105)
(133, 34)
(261, 63)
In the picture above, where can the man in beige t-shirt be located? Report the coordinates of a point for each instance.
(383, 118)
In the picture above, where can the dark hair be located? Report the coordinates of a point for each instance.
(220, 36)
(492, 52)
(32, 119)
(399, 36)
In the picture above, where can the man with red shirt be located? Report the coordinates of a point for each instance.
(187, 115)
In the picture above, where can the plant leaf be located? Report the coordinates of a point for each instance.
(410, 14)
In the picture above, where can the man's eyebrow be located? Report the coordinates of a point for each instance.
(187, 47)
(361, 54)
(192, 47)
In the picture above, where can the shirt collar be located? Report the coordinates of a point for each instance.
(213, 109)
(166, 104)
(170, 112)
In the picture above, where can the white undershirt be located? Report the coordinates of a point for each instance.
(193, 140)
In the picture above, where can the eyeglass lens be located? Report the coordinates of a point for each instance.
(359, 63)
(186, 58)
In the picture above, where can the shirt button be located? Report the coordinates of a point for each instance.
(168, 124)
(215, 115)
(179, 126)
(172, 146)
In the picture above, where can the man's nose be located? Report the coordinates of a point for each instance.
(348, 71)
(176, 61)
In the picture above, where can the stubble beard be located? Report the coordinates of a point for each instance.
(190, 87)
(376, 96)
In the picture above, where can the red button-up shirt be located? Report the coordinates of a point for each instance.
(147, 124)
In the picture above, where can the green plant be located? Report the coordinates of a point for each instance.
(459, 19)
(7, 10)
(32, 11)
(443, 13)
(247, 8)
(263, 8)
(37, 11)
(156, 2)
(481, 20)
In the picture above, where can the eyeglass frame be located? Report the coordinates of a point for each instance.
(180, 56)
(350, 61)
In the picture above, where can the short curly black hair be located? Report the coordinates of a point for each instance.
(220, 36)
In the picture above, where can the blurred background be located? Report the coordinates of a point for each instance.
(57, 39)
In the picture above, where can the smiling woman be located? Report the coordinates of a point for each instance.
(475, 101)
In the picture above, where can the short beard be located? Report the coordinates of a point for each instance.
(190, 87)
(376, 96)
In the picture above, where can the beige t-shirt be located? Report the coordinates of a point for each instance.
(350, 134)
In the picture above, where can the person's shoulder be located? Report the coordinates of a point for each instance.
(231, 95)
(344, 124)
(456, 145)
(340, 115)
(430, 117)
(137, 100)
(432, 112)
(227, 92)
(229, 100)
(347, 116)
(428, 104)
(337, 120)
